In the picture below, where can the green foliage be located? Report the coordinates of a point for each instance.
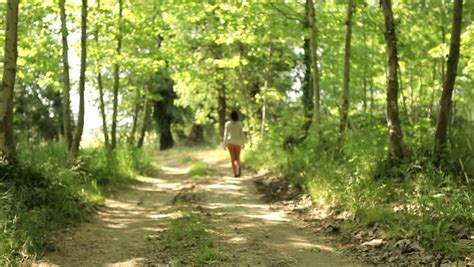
(407, 199)
(368, 217)
(118, 166)
(39, 194)
(188, 241)
(199, 168)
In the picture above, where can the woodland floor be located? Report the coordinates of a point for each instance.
(245, 229)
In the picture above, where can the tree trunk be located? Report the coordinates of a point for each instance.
(7, 140)
(346, 79)
(430, 111)
(307, 98)
(364, 85)
(145, 123)
(101, 90)
(164, 121)
(372, 99)
(117, 79)
(311, 17)
(402, 94)
(221, 109)
(82, 82)
(397, 147)
(448, 85)
(136, 113)
(66, 80)
(197, 135)
(264, 91)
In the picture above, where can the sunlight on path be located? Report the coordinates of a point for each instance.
(245, 228)
(253, 233)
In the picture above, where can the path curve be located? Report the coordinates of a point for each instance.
(244, 227)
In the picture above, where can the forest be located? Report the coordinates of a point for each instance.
(361, 107)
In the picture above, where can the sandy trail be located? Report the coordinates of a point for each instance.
(246, 229)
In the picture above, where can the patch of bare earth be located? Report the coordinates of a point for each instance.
(246, 229)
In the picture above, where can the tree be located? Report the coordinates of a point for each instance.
(346, 79)
(100, 85)
(135, 115)
(221, 108)
(448, 85)
(113, 144)
(7, 140)
(66, 80)
(397, 147)
(311, 17)
(145, 123)
(82, 81)
(164, 109)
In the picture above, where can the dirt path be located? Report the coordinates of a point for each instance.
(246, 229)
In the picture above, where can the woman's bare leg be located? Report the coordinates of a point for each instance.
(232, 158)
(237, 159)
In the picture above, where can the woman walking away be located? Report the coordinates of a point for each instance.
(234, 141)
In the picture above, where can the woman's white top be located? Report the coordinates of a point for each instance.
(233, 133)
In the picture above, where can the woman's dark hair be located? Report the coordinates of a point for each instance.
(234, 115)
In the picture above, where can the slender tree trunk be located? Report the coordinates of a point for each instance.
(307, 98)
(412, 97)
(265, 88)
(103, 114)
(311, 17)
(420, 108)
(7, 140)
(364, 85)
(82, 82)
(145, 123)
(221, 109)
(397, 147)
(66, 79)
(372, 101)
(448, 85)
(101, 90)
(136, 114)
(307, 83)
(402, 94)
(264, 108)
(113, 144)
(346, 79)
(430, 111)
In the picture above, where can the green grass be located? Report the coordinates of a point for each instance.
(199, 169)
(40, 194)
(187, 240)
(185, 159)
(413, 199)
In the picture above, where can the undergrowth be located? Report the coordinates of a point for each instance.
(39, 194)
(411, 199)
(199, 169)
(187, 240)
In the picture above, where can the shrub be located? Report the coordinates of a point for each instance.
(40, 193)
(414, 194)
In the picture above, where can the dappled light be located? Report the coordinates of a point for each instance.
(273, 216)
(246, 133)
(235, 217)
(303, 243)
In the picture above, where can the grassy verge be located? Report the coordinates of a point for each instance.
(39, 194)
(199, 169)
(412, 199)
(187, 242)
